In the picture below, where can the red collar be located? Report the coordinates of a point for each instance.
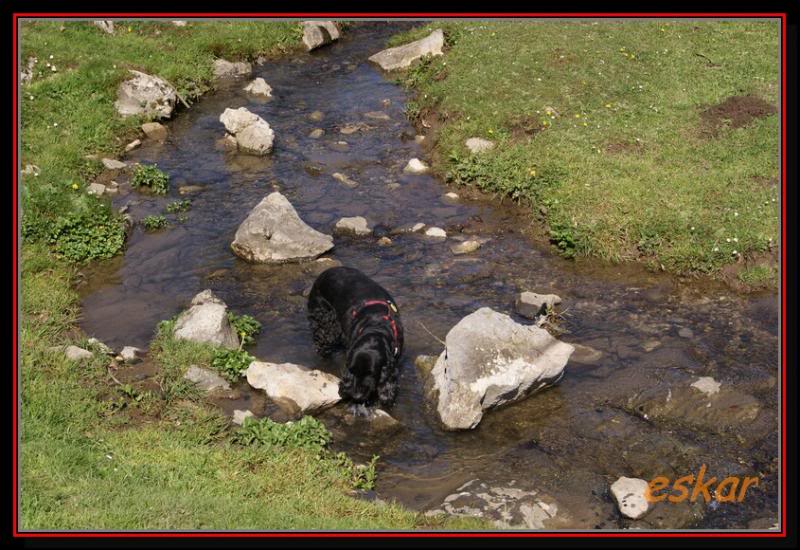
(391, 309)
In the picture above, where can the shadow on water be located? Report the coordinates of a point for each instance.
(570, 441)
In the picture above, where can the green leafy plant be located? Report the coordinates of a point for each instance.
(307, 433)
(93, 236)
(246, 327)
(564, 239)
(154, 223)
(150, 176)
(231, 362)
(179, 206)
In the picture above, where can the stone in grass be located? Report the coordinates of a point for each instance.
(530, 304)
(74, 353)
(631, 496)
(352, 226)
(479, 145)
(113, 164)
(205, 379)
(239, 416)
(96, 189)
(401, 57)
(416, 166)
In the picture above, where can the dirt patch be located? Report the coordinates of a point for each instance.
(561, 57)
(623, 147)
(734, 112)
(525, 128)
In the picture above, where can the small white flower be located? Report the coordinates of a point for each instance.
(716, 249)
(51, 56)
(735, 214)
(55, 124)
(727, 240)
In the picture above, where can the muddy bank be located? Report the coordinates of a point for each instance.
(650, 335)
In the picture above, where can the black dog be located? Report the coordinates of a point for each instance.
(347, 309)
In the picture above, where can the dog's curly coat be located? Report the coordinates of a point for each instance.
(348, 310)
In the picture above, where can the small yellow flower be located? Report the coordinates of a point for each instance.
(491, 131)
(608, 105)
(130, 29)
(577, 115)
(586, 124)
(75, 186)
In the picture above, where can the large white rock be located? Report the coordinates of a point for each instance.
(402, 56)
(147, 95)
(206, 321)
(319, 33)
(274, 233)
(491, 360)
(294, 387)
(259, 87)
(226, 69)
(631, 496)
(252, 133)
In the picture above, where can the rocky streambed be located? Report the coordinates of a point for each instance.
(662, 378)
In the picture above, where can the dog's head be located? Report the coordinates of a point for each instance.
(364, 372)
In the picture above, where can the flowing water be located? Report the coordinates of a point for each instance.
(570, 441)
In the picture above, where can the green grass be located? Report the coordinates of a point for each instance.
(97, 455)
(623, 171)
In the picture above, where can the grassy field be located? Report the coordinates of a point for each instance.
(97, 455)
(621, 135)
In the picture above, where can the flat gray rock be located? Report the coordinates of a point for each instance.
(401, 57)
